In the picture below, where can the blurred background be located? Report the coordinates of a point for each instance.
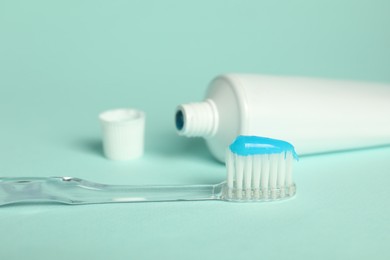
(64, 62)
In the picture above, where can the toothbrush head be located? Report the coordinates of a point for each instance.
(259, 169)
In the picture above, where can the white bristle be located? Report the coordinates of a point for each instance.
(282, 174)
(273, 173)
(256, 176)
(239, 172)
(289, 161)
(248, 169)
(230, 168)
(259, 177)
(265, 174)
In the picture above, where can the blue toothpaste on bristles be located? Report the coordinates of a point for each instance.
(259, 168)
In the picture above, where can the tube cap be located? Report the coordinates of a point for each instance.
(123, 133)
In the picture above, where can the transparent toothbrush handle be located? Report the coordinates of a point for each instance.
(70, 190)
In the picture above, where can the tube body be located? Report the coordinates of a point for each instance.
(315, 115)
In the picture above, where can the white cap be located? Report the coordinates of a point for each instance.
(123, 133)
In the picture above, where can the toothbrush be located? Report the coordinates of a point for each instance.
(258, 169)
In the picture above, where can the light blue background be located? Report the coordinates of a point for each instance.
(63, 62)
